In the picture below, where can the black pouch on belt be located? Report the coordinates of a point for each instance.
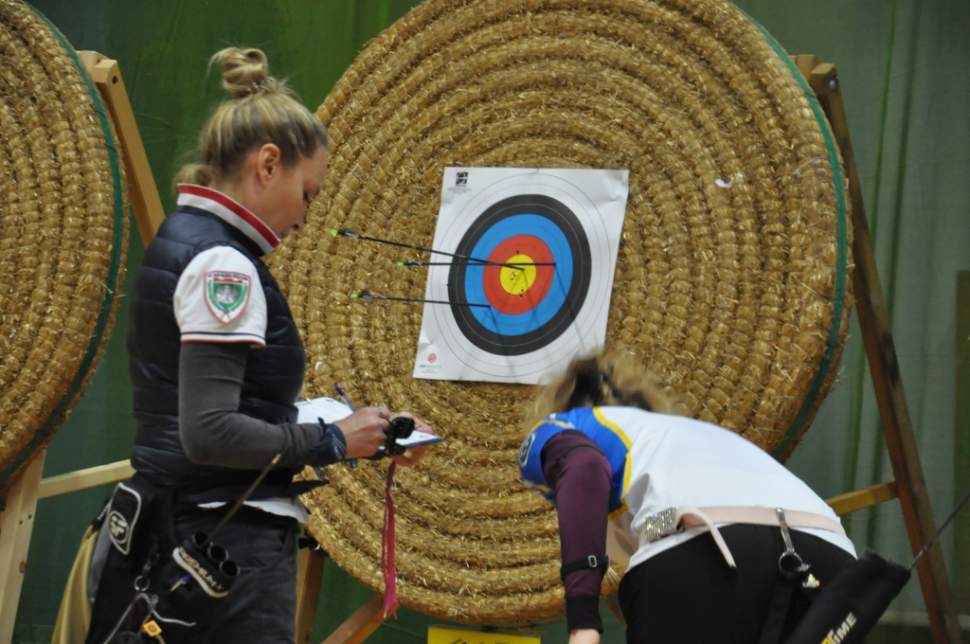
(128, 515)
(186, 588)
(175, 593)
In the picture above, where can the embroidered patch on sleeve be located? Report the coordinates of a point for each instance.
(226, 294)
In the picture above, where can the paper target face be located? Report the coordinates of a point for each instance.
(529, 281)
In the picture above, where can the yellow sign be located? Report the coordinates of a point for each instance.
(438, 635)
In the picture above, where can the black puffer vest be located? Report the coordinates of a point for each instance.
(274, 374)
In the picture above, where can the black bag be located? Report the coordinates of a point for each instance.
(847, 607)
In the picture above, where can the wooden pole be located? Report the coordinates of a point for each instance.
(84, 479)
(142, 190)
(361, 624)
(16, 526)
(309, 576)
(884, 367)
(867, 497)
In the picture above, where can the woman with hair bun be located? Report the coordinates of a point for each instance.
(698, 515)
(216, 365)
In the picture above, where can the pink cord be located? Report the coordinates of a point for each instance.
(388, 564)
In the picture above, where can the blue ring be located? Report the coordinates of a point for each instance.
(580, 264)
(521, 323)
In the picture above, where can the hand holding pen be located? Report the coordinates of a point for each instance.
(359, 428)
(363, 421)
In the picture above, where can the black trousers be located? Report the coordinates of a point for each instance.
(261, 604)
(688, 594)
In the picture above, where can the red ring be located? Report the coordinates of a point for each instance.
(506, 302)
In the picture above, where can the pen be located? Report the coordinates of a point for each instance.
(342, 395)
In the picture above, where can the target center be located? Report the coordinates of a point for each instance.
(516, 280)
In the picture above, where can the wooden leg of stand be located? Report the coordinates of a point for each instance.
(83, 479)
(143, 192)
(16, 526)
(361, 624)
(865, 498)
(883, 365)
(309, 575)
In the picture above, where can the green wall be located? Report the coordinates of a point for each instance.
(903, 67)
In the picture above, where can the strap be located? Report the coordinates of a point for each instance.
(671, 520)
(778, 607)
(590, 562)
(229, 493)
(693, 517)
(766, 516)
(684, 513)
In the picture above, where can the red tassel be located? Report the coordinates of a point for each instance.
(388, 564)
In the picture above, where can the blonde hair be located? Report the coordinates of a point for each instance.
(261, 109)
(605, 378)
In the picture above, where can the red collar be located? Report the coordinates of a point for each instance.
(230, 211)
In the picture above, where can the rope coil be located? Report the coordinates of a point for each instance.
(63, 232)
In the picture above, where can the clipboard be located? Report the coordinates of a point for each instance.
(330, 410)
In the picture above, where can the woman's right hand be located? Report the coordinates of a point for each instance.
(364, 431)
(584, 636)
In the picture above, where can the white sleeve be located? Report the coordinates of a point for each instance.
(219, 298)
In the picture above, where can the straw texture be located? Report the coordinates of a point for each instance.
(732, 277)
(63, 233)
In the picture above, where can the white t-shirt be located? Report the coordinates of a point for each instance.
(680, 462)
(219, 298)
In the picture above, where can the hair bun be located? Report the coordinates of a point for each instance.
(244, 71)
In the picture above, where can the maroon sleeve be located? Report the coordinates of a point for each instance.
(576, 468)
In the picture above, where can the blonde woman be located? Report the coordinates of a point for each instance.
(216, 364)
(696, 509)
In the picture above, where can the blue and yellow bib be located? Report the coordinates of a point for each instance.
(608, 436)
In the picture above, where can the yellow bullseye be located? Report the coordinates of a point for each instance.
(514, 280)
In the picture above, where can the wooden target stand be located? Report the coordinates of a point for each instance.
(19, 502)
(909, 486)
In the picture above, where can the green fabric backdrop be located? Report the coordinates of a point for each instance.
(903, 66)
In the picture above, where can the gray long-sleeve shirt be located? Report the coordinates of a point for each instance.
(214, 432)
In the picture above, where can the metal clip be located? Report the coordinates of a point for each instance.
(790, 563)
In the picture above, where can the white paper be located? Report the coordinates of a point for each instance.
(330, 410)
(521, 327)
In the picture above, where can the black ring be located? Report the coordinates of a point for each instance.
(564, 218)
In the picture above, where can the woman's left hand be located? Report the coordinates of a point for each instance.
(414, 454)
